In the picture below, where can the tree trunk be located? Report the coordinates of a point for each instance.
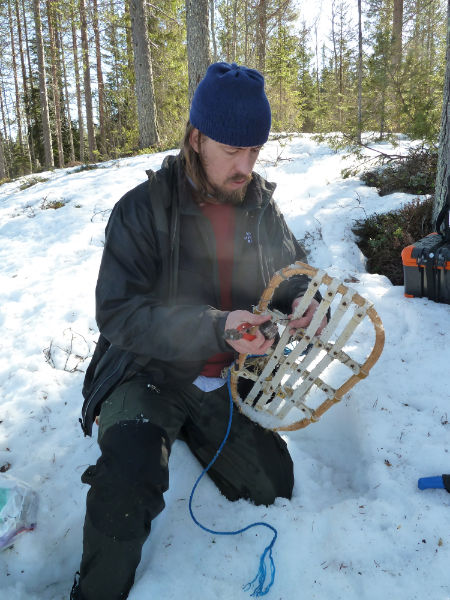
(24, 148)
(360, 68)
(78, 87)
(6, 126)
(341, 65)
(213, 29)
(30, 71)
(2, 104)
(246, 34)
(226, 31)
(145, 95)
(60, 47)
(47, 134)
(234, 36)
(115, 137)
(2, 160)
(26, 90)
(261, 34)
(316, 44)
(280, 78)
(333, 39)
(130, 52)
(397, 32)
(197, 34)
(443, 166)
(100, 83)
(383, 111)
(87, 83)
(55, 83)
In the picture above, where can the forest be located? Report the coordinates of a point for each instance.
(89, 80)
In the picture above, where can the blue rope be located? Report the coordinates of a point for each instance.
(260, 589)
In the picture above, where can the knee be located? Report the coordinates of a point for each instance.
(276, 479)
(129, 479)
(274, 486)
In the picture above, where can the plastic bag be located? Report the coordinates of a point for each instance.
(18, 509)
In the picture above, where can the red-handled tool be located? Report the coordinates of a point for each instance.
(242, 331)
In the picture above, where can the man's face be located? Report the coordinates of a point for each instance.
(228, 168)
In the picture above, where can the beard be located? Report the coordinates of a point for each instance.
(236, 197)
(218, 194)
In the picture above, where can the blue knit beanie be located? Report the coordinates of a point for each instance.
(231, 107)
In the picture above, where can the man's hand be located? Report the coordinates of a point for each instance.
(260, 344)
(306, 318)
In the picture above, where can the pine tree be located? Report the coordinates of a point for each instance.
(443, 167)
(25, 83)
(306, 81)
(360, 73)
(92, 144)
(338, 109)
(145, 96)
(419, 88)
(48, 152)
(261, 34)
(76, 69)
(56, 78)
(100, 83)
(23, 150)
(170, 69)
(66, 116)
(2, 161)
(282, 71)
(212, 12)
(397, 33)
(378, 84)
(197, 34)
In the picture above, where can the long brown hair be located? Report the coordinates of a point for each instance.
(194, 166)
(195, 170)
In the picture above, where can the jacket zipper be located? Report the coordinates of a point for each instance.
(94, 393)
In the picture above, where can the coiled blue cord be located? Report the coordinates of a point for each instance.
(259, 582)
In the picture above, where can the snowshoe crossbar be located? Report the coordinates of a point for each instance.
(303, 375)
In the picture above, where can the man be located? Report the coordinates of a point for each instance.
(186, 256)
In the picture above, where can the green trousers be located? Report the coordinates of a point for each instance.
(137, 427)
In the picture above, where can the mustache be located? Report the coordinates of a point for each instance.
(239, 177)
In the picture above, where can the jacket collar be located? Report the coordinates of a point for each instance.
(257, 197)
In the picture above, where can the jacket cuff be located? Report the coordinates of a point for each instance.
(220, 328)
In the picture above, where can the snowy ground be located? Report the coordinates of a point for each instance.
(357, 527)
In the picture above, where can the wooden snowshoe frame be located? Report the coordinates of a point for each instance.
(284, 381)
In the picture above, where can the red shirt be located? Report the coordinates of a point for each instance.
(222, 219)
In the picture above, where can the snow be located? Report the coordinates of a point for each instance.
(357, 526)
